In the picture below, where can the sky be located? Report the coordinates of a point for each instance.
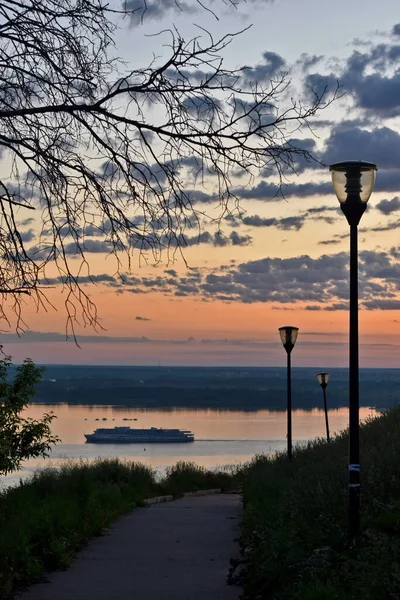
(283, 260)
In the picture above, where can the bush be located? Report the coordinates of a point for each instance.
(189, 477)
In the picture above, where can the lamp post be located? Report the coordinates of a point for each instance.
(323, 379)
(288, 337)
(353, 182)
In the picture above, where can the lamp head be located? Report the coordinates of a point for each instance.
(353, 182)
(288, 337)
(323, 379)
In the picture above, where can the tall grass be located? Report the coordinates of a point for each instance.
(189, 477)
(46, 519)
(295, 522)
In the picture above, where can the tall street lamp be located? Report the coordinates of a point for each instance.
(288, 337)
(323, 379)
(353, 182)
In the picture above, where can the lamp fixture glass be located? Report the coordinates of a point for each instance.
(288, 335)
(353, 179)
(323, 378)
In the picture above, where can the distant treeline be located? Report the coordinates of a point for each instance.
(235, 388)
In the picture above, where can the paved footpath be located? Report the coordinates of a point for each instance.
(176, 550)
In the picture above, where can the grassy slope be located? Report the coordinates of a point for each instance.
(45, 520)
(295, 524)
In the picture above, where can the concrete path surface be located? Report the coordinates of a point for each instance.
(176, 550)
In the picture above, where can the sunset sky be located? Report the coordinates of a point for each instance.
(282, 261)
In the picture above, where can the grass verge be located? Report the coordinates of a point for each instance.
(295, 539)
(46, 519)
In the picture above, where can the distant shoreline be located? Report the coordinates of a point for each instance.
(226, 388)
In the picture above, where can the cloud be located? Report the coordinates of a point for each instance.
(388, 227)
(157, 10)
(203, 107)
(81, 279)
(27, 236)
(216, 239)
(45, 337)
(26, 222)
(302, 155)
(386, 181)
(382, 304)
(239, 240)
(257, 114)
(307, 61)
(88, 246)
(388, 206)
(381, 145)
(272, 192)
(328, 242)
(273, 64)
(154, 10)
(315, 283)
(138, 318)
(284, 223)
(371, 78)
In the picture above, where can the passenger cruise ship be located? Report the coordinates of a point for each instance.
(126, 435)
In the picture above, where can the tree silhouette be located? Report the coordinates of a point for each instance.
(101, 149)
(21, 438)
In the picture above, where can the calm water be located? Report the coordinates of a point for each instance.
(223, 437)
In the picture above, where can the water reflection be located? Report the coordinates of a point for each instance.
(74, 421)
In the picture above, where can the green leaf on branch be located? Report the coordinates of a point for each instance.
(21, 438)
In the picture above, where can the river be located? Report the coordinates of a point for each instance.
(222, 437)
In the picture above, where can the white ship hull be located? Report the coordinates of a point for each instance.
(93, 439)
(126, 435)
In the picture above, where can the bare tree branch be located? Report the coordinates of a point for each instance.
(88, 144)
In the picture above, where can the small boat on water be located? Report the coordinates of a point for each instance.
(126, 435)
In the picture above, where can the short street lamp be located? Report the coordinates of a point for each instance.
(323, 379)
(353, 182)
(288, 337)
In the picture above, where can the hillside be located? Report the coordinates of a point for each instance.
(295, 526)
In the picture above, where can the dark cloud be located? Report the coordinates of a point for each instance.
(42, 337)
(27, 236)
(239, 240)
(204, 108)
(271, 192)
(319, 283)
(26, 222)
(387, 180)
(153, 10)
(273, 65)
(156, 10)
(372, 78)
(138, 318)
(307, 61)
(316, 210)
(328, 242)
(396, 30)
(88, 246)
(216, 239)
(92, 230)
(388, 206)
(381, 146)
(285, 223)
(388, 227)
(82, 279)
(382, 304)
(257, 114)
(301, 156)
